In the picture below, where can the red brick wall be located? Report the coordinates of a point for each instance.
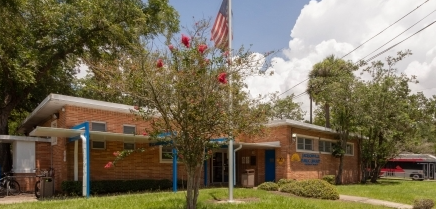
(144, 165)
(298, 170)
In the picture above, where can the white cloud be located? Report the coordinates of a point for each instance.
(336, 27)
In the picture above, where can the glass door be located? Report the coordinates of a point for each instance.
(220, 171)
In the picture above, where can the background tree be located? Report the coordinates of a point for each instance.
(186, 93)
(388, 113)
(285, 108)
(43, 41)
(331, 84)
(322, 74)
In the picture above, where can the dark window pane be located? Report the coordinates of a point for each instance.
(98, 126)
(98, 145)
(129, 146)
(129, 129)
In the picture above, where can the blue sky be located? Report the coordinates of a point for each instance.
(306, 32)
(265, 24)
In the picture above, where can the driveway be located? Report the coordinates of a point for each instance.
(23, 197)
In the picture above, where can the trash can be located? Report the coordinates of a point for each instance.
(247, 178)
(46, 187)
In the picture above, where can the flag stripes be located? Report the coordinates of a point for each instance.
(220, 29)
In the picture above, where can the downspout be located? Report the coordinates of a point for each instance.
(234, 163)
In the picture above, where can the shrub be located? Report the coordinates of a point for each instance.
(112, 186)
(314, 188)
(423, 204)
(282, 182)
(288, 187)
(269, 186)
(330, 179)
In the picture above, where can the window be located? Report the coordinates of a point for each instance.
(350, 149)
(127, 129)
(305, 144)
(129, 146)
(325, 146)
(166, 154)
(98, 126)
(98, 145)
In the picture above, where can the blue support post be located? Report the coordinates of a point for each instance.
(85, 125)
(174, 170)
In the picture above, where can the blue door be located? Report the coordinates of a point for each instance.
(270, 165)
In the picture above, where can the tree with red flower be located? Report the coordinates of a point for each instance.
(185, 40)
(183, 98)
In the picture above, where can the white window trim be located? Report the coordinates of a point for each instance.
(328, 140)
(102, 122)
(129, 126)
(352, 145)
(306, 137)
(162, 160)
(92, 144)
(134, 145)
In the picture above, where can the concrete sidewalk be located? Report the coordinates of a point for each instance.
(374, 202)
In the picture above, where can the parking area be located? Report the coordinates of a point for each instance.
(23, 197)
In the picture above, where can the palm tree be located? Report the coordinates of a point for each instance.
(323, 73)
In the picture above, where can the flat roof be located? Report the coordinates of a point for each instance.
(53, 103)
(11, 138)
(302, 125)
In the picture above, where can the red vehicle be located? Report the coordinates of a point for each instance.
(414, 166)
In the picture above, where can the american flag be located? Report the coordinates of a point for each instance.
(220, 29)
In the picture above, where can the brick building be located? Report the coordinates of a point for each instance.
(290, 149)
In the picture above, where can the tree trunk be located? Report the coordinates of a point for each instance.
(338, 180)
(327, 115)
(5, 148)
(375, 174)
(9, 103)
(193, 185)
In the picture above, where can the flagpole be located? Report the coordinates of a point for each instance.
(230, 151)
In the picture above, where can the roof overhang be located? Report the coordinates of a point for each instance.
(302, 125)
(94, 135)
(260, 145)
(11, 138)
(53, 103)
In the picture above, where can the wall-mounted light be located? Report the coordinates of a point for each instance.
(294, 137)
(55, 115)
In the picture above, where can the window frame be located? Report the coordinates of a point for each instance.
(161, 159)
(98, 122)
(323, 151)
(92, 144)
(352, 149)
(132, 126)
(312, 139)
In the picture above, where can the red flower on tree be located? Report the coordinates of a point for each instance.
(109, 165)
(159, 63)
(222, 78)
(116, 153)
(144, 133)
(202, 48)
(171, 47)
(185, 40)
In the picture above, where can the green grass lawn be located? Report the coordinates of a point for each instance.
(168, 200)
(401, 191)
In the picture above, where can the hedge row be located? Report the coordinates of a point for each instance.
(113, 186)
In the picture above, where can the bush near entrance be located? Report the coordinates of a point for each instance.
(314, 188)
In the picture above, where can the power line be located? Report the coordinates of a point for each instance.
(382, 52)
(399, 34)
(384, 29)
(371, 39)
